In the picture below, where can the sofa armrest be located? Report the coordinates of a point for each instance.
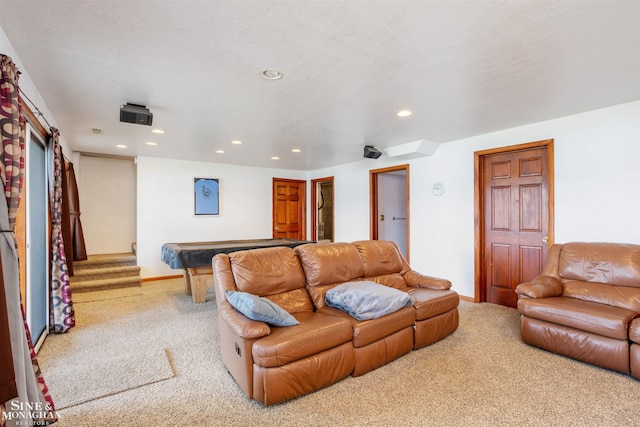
(540, 287)
(241, 325)
(417, 280)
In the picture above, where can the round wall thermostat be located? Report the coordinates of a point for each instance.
(438, 189)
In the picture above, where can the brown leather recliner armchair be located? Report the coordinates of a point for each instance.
(584, 304)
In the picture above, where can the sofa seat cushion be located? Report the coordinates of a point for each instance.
(432, 302)
(620, 296)
(587, 316)
(634, 331)
(316, 332)
(368, 331)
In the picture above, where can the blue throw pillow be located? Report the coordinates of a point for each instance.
(258, 308)
(367, 300)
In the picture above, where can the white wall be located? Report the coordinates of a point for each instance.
(597, 189)
(107, 190)
(351, 198)
(165, 206)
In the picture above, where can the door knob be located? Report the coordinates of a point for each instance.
(276, 228)
(545, 239)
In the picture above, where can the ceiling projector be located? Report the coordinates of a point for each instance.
(371, 152)
(138, 114)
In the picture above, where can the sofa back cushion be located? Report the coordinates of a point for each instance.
(609, 263)
(274, 273)
(379, 257)
(327, 265)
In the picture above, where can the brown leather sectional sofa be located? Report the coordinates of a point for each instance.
(586, 305)
(275, 364)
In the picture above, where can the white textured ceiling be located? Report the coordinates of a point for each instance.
(463, 67)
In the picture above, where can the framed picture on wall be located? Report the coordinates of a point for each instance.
(206, 196)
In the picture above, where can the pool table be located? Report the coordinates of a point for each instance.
(195, 259)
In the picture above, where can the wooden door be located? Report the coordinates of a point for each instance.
(515, 220)
(376, 215)
(289, 211)
(322, 218)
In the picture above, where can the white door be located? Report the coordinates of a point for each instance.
(392, 208)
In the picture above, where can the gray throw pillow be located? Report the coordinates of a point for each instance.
(259, 308)
(367, 300)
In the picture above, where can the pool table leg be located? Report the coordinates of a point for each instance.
(196, 280)
(187, 282)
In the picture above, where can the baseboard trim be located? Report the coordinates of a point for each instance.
(153, 279)
(463, 298)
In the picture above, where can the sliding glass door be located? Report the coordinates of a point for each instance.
(37, 262)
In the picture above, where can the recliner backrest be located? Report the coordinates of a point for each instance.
(609, 263)
(606, 273)
(379, 257)
(383, 262)
(327, 265)
(274, 273)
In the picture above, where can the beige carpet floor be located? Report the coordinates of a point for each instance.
(105, 371)
(482, 375)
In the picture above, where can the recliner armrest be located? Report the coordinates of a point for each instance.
(540, 287)
(417, 280)
(241, 325)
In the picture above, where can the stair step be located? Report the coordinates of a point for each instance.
(102, 284)
(105, 260)
(105, 273)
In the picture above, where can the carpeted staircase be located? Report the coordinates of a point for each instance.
(108, 271)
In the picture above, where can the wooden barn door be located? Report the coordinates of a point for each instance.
(515, 218)
(289, 211)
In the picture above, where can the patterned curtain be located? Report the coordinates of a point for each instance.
(61, 314)
(29, 381)
(77, 236)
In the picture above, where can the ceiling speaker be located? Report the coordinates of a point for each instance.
(138, 114)
(371, 152)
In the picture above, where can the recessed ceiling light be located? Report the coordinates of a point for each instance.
(404, 113)
(220, 151)
(275, 158)
(158, 131)
(151, 143)
(236, 142)
(121, 146)
(296, 150)
(272, 74)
